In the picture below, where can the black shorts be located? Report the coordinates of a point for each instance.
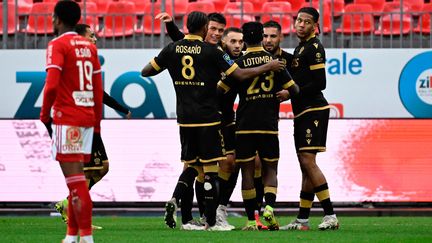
(228, 133)
(248, 145)
(98, 155)
(201, 143)
(310, 131)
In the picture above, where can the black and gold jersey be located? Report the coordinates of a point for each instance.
(258, 110)
(308, 71)
(195, 68)
(284, 56)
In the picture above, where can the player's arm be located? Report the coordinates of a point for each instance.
(316, 60)
(159, 63)
(111, 102)
(290, 88)
(173, 31)
(50, 93)
(151, 69)
(247, 73)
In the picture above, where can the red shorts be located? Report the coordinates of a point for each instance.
(72, 143)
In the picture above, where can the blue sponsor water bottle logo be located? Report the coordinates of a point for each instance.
(415, 87)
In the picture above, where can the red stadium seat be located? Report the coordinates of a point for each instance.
(139, 5)
(219, 4)
(326, 16)
(357, 19)
(415, 5)
(11, 23)
(257, 4)
(390, 21)
(206, 7)
(150, 25)
(24, 6)
(40, 19)
(424, 25)
(179, 8)
(120, 20)
(295, 4)
(338, 6)
(236, 16)
(91, 12)
(377, 5)
(279, 12)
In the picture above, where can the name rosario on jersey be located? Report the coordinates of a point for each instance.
(252, 61)
(260, 96)
(188, 49)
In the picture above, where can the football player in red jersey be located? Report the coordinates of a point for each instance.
(73, 91)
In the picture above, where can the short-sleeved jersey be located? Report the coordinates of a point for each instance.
(308, 71)
(195, 68)
(258, 110)
(77, 59)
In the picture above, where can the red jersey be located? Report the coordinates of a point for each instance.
(73, 86)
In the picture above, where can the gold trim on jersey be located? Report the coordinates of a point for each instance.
(231, 69)
(93, 168)
(193, 37)
(225, 87)
(257, 131)
(310, 37)
(230, 124)
(289, 84)
(254, 49)
(322, 149)
(230, 152)
(213, 160)
(317, 66)
(155, 65)
(245, 160)
(200, 124)
(189, 161)
(313, 109)
(271, 160)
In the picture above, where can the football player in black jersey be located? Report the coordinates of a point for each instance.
(311, 116)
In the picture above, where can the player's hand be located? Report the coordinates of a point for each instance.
(276, 65)
(129, 115)
(164, 17)
(48, 126)
(283, 95)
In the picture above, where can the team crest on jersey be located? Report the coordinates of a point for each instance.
(73, 135)
(228, 59)
(318, 57)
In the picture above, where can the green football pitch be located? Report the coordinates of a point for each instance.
(152, 229)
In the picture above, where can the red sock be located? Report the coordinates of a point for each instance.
(81, 203)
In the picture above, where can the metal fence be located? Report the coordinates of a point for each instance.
(131, 24)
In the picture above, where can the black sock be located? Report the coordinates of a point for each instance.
(249, 201)
(270, 199)
(259, 188)
(211, 197)
(323, 196)
(199, 192)
(187, 204)
(186, 180)
(226, 195)
(306, 200)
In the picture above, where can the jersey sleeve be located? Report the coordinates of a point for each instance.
(161, 61)
(54, 56)
(224, 62)
(316, 60)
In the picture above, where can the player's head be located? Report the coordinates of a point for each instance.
(197, 23)
(252, 33)
(84, 30)
(272, 36)
(307, 22)
(216, 26)
(66, 15)
(232, 41)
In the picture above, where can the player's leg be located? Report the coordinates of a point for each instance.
(226, 169)
(269, 154)
(71, 163)
(259, 188)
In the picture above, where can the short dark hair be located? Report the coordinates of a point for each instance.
(312, 11)
(81, 29)
(231, 29)
(217, 17)
(195, 21)
(69, 12)
(252, 33)
(272, 24)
